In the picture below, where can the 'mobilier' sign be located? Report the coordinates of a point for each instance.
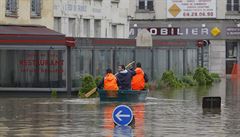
(173, 31)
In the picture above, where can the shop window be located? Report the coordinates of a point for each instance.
(11, 7)
(145, 5)
(232, 5)
(229, 66)
(231, 50)
(33, 68)
(36, 8)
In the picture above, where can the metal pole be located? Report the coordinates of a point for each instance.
(69, 75)
(201, 56)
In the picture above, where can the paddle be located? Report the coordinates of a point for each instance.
(89, 93)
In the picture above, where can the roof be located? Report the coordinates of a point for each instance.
(30, 34)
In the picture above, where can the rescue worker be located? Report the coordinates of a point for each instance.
(138, 81)
(109, 82)
(124, 78)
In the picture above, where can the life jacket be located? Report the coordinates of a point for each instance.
(138, 81)
(110, 82)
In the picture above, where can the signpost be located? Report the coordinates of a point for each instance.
(122, 115)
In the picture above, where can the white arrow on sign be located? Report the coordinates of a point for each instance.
(119, 115)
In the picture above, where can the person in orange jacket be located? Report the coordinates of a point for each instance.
(109, 82)
(139, 80)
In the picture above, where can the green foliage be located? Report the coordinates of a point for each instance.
(189, 81)
(169, 80)
(98, 79)
(216, 77)
(88, 83)
(54, 93)
(203, 77)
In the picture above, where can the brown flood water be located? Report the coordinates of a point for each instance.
(176, 113)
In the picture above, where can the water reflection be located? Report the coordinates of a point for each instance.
(173, 113)
(138, 112)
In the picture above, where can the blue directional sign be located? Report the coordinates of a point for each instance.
(122, 115)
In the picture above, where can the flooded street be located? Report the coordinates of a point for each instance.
(175, 113)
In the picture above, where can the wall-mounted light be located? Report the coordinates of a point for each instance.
(169, 25)
(203, 25)
(135, 25)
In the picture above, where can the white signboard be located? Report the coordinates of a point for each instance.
(191, 8)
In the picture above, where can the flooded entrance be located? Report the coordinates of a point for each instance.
(173, 113)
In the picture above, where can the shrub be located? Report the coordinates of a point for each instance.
(169, 80)
(54, 93)
(216, 77)
(88, 83)
(202, 76)
(188, 80)
(98, 79)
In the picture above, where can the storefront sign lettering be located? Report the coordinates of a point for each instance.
(41, 62)
(233, 31)
(42, 70)
(75, 8)
(174, 31)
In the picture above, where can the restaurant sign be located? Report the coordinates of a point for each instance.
(191, 8)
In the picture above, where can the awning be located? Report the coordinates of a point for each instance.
(30, 35)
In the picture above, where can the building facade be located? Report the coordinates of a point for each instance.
(34, 12)
(92, 18)
(214, 21)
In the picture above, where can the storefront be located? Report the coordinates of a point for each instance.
(32, 58)
(221, 52)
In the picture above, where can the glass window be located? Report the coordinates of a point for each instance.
(81, 64)
(231, 50)
(145, 5)
(11, 7)
(114, 31)
(97, 28)
(32, 68)
(57, 24)
(232, 5)
(36, 8)
(102, 60)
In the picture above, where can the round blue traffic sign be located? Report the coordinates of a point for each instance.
(122, 115)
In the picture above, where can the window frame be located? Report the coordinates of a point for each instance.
(233, 4)
(146, 7)
(38, 8)
(11, 8)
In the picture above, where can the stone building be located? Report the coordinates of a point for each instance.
(213, 21)
(34, 12)
(92, 18)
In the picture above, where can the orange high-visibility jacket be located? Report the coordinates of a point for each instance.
(110, 82)
(138, 81)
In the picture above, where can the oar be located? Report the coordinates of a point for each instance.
(89, 93)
